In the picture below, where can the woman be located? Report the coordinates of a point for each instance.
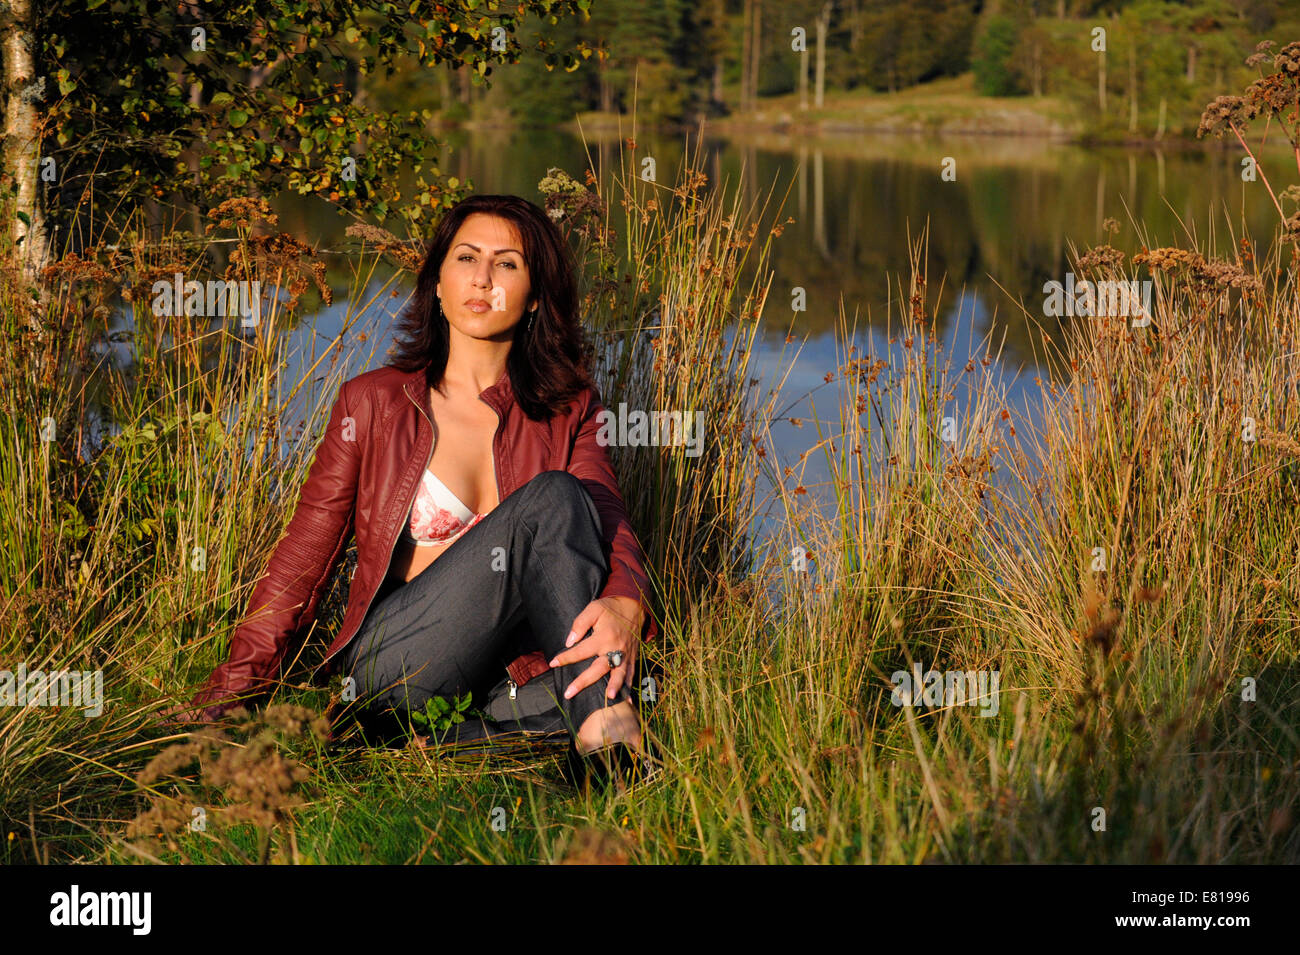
(494, 548)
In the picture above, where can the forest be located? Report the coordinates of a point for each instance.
(1162, 59)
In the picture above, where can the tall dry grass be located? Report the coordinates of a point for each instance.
(1120, 683)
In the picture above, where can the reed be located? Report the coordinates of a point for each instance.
(1116, 553)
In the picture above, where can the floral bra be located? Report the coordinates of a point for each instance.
(437, 516)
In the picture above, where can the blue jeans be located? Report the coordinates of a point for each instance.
(513, 582)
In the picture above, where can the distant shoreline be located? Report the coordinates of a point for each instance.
(948, 107)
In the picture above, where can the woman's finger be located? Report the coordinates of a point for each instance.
(583, 650)
(584, 621)
(616, 678)
(599, 667)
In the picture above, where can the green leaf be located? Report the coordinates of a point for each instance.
(26, 219)
(220, 99)
(290, 101)
(238, 118)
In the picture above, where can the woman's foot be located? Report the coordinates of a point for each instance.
(609, 726)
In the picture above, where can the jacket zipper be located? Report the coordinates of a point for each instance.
(513, 686)
(392, 547)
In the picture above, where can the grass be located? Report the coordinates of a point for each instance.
(944, 105)
(1128, 573)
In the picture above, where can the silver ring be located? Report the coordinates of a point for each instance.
(615, 658)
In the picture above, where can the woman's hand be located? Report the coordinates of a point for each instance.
(615, 624)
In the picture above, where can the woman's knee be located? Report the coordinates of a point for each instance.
(551, 484)
(559, 494)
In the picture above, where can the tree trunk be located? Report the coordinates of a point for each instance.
(745, 33)
(719, 61)
(358, 93)
(756, 53)
(192, 162)
(22, 145)
(803, 80)
(1132, 88)
(823, 27)
(1101, 82)
(1191, 64)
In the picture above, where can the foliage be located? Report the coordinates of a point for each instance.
(992, 61)
(1122, 685)
(202, 102)
(441, 714)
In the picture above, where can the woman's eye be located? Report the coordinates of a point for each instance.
(464, 256)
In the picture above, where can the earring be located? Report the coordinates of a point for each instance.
(532, 314)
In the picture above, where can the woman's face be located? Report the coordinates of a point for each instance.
(484, 284)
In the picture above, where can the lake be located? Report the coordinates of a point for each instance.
(1000, 226)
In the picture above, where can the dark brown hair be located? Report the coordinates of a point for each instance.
(549, 364)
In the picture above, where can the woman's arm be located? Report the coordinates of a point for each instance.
(590, 463)
(284, 602)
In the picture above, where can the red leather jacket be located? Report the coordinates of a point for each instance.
(364, 479)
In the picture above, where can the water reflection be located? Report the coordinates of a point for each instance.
(996, 233)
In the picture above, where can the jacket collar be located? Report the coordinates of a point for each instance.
(499, 395)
